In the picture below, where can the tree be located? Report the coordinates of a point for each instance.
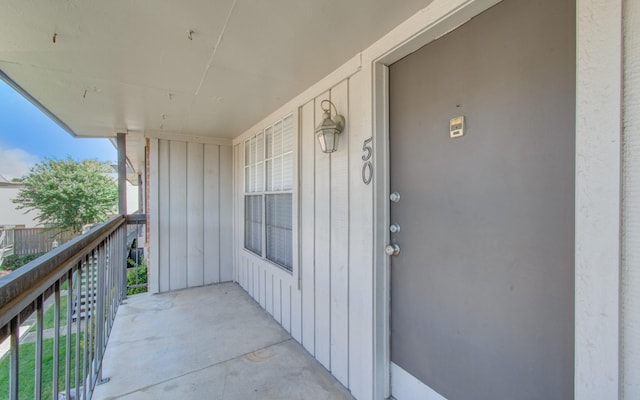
(69, 194)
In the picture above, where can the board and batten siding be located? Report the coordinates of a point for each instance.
(190, 207)
(326, 302)
(630, 285)
(607, 342)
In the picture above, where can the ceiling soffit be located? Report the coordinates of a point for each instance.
(197, 67)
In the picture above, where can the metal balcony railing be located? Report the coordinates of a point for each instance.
(80, 283)
(136, 264)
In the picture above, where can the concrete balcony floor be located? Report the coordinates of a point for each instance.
(211, 342)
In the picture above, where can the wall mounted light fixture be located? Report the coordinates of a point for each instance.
(330, 128)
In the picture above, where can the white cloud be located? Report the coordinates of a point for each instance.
(15, 163)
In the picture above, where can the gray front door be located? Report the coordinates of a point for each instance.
(482, 290)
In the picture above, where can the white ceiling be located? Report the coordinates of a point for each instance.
(129, 65)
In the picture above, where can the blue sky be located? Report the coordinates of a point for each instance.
(27, 136)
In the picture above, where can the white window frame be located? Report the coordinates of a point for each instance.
(255, 183)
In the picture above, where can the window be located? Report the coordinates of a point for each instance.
(268, 179)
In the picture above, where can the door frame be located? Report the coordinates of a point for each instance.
(597, 184)
(439, 18)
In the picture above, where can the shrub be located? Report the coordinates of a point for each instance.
(137, 276)
(13, 262)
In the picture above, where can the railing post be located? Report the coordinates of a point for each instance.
(56, 339)
(100, 308)
(67, 355)
(39, 339)
(14, 382)
(121, 140)
(79, 271)
(123, 259)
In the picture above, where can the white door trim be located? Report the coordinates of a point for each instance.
(409, 387)
(598, 199)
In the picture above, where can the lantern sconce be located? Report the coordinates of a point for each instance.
(330, 128)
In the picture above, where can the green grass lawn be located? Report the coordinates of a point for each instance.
(49, 315)
(27, 368)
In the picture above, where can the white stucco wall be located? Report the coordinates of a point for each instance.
(9, 215)
(631, 204)
(132, 198)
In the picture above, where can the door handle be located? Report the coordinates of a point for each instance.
(392, 249)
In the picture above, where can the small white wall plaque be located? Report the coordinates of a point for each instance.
(456, 127)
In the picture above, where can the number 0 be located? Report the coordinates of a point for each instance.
(367, 172)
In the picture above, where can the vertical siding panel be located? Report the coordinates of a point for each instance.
(263, 288)
(361, 280)
(248, 274)
(248, 266)
(323, 249)
(237, 198)
(211, 214)
(240, 269)
(285, 296)
(226, 229)
(195, 210)
(307, 226)
(340, 243)
(269, 292)
(255, 283)
(295, 300)
(178, 215)
(277, 299)
(154, 216)
(245, 272)
(296, 313)
(249, 287)
(164, 206)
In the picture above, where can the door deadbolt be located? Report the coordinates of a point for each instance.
(394, 228)
(392, 250)
(395, 197)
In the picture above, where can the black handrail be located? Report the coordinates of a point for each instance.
(20, 288)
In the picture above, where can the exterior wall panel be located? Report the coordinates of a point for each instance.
(212, 213)
(225, 227)
(195, 214)
(316, 309)
(163, 205)
(177, 262)
(322, 246)
(360, 264)
(339, 300)
(307, 227)
(631, 205)
(193, 200)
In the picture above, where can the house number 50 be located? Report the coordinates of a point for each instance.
(367, 166)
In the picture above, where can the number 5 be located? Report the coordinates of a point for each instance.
(367, 167)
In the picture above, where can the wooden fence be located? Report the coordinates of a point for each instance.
(37, 240)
